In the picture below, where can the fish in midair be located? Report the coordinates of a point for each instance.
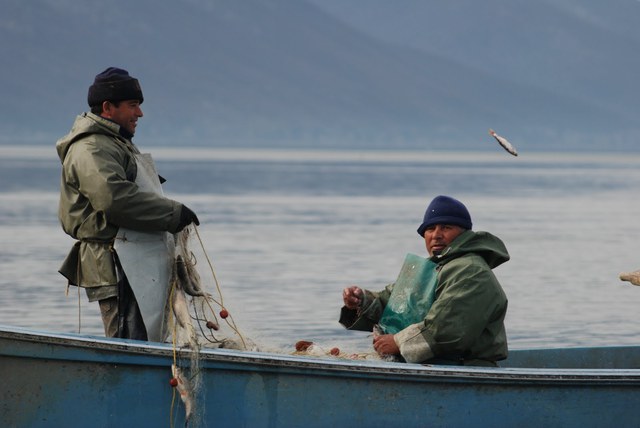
(503, 142)
(632, 277)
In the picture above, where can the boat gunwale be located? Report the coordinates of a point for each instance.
(161, 354)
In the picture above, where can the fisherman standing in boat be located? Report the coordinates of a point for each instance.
(102, 194)
(447, 309)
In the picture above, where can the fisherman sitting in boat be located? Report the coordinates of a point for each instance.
(107, 187)
(446, 309)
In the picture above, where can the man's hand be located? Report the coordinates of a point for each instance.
(186, 218)
(352, 297)
(385, 345)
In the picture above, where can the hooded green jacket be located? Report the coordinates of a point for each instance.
(466, 321)
(98, 195)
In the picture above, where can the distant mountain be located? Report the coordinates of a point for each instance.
(582, 49)
(289, 73)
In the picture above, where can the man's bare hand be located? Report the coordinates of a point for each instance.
(385, 345)
(352, 297)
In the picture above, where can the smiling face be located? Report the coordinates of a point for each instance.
(124, 113)
(439, 236)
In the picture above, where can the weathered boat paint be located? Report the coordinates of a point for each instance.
(72, 380)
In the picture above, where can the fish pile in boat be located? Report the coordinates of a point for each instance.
(313, 349)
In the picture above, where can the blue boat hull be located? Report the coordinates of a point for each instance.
(51, 380)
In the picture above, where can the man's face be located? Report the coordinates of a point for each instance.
(439, 236)
(125, 114)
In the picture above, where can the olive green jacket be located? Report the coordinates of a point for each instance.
(466, 321)
(98, 195)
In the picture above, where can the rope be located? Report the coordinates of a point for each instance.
(229, 319)
(215, 278)
(174, 348)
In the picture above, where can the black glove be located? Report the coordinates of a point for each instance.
(186, 218)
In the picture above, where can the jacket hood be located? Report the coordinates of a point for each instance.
(86, 124)
(489, 247)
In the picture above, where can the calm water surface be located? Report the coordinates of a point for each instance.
(286, 231)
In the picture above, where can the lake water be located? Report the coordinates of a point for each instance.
(288, 230)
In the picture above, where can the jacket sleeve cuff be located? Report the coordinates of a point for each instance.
(412, 344)
(366, 316)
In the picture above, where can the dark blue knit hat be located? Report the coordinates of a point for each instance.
(114, 84)
(445, 210)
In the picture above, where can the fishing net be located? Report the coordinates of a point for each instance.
(195, 317)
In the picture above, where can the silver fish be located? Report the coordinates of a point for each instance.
(181, 311)
(632, 277)
(187, 278)
(503, 142)
(185, 391)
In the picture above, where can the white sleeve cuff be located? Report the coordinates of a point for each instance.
(413, 346)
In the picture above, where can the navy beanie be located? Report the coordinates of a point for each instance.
(445, 210)
(114, 84)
